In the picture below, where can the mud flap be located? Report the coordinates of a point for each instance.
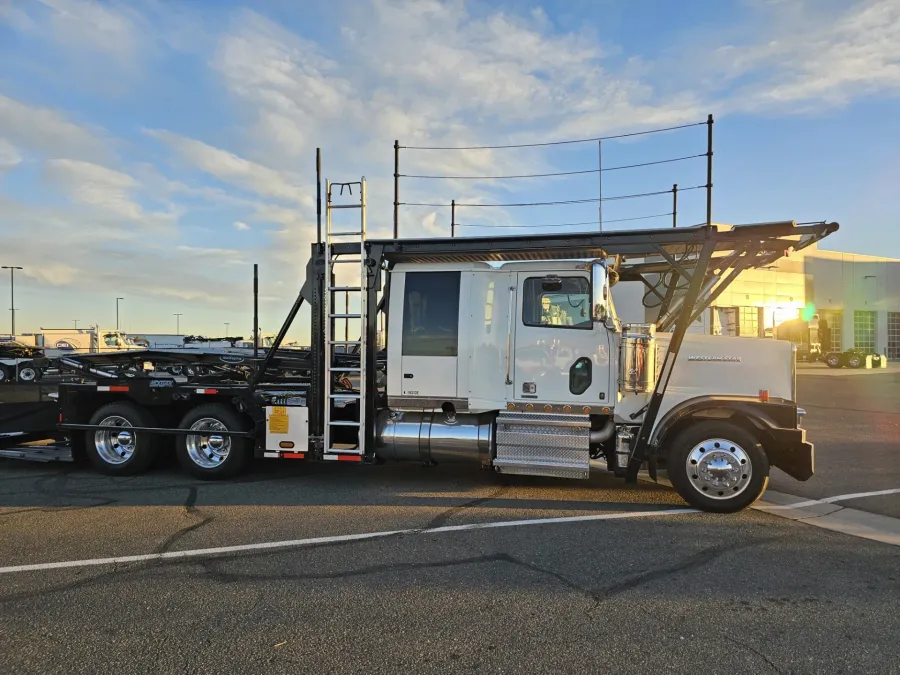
(790, 452)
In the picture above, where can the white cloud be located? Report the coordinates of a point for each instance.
(9, 156)
(94, 26)
(241, 226)
(105, 190)
(48, 132)
(234, 170)
(813, 57)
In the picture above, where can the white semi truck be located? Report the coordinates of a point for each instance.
(506, 354)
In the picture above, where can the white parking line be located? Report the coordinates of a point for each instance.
(297, 543)
(831, 500)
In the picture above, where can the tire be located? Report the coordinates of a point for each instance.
(28, 374)
(4, 375)
(735, 449)
(118, 455)
(833, 360)
(211, 457)
(856, 360)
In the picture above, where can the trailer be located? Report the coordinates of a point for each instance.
(503, 353)
(20, 362)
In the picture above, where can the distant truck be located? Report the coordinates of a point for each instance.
(58, 342)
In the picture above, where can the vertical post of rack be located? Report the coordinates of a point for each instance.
(675, 205)
(709, 169)
(318, 195)
(255, 310)
(452, 217)
(600, 184)
(396, 189)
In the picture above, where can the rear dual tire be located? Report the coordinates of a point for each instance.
(206, 454)
(120, 451)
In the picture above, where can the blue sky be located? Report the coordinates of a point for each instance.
(156, 150)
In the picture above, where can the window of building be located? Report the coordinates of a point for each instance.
(748, 322)
(835, 322)
(431, 314)
(864, 330)
(893, 326)
(561, 303)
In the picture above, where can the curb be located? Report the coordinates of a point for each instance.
(819, 513)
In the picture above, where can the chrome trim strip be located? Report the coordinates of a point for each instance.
(424, 403)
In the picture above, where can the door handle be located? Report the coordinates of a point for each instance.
(408, 376)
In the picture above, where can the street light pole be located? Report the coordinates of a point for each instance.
(76, 323)
(227, 323)
(117, 312)
(178, 323)
(12, 293)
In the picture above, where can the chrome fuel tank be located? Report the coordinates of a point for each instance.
(435, 437)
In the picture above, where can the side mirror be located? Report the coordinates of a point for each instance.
(599, 292)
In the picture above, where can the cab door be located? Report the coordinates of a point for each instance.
(430, 339)
(560, 354)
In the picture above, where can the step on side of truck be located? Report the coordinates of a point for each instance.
(539, 444)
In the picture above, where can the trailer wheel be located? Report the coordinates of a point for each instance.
(718, 467)
(120, 452)
(833, 360)
(4, 375)
(28, 374)
(206, 454)
(855, 360)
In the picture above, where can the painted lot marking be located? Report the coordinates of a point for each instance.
(830, 500)
(314, 541)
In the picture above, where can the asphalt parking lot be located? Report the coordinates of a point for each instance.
(621, 579)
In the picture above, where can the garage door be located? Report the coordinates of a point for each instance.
(893, 348)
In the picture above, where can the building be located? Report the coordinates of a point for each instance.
(858, 295)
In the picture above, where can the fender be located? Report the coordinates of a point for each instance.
(785, 444)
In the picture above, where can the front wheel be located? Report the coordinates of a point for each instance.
(718, 467)
(207, 454)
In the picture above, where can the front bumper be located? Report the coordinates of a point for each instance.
(790, 452)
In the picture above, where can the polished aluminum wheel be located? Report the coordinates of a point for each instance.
(209, 449)
(117, 445)
(719, 468)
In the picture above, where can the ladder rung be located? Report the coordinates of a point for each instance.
(342, 451)
(343, 423)
(345, 206)
(345, 342)
(344, 260)
(345, 316)
(352, 396)
(341, 369)
(345, 234)
(344, 288)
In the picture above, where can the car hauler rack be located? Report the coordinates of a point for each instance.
(506, 353)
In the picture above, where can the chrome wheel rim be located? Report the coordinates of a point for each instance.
(117, 445)
(27, 374)
(719, 468)
(833, 361)
(209, 449)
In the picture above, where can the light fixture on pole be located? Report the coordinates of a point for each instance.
(117, 312)
(178, 323)
(12, 293)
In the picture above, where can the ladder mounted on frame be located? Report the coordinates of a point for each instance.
(340, 399)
